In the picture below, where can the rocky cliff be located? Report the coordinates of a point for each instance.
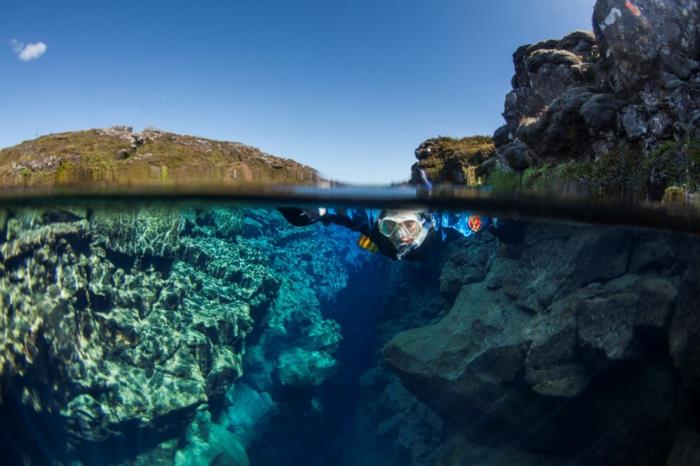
(613, 112)
(119, 155)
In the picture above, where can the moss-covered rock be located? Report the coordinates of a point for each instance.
(452, 160)
(624, 172)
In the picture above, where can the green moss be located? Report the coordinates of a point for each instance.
(504, 181)
(460, 147)
(674, 195)
(450, 158)
(618, 174)
(539, 178)
(622, 173)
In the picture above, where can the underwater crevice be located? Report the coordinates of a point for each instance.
(120, 260)
(134, 439)
(28, 436)
(162, 264)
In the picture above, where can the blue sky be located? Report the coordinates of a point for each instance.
(350, 87)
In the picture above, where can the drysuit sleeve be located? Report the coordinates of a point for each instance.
(465, 224)
(354, 219)
(299, 217)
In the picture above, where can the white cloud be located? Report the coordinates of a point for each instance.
(29, 51)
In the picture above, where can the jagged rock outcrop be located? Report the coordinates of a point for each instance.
(544, 72)
(450, 160)
(616, 110)
(576, 343)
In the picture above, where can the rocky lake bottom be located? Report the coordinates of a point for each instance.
(219, 335)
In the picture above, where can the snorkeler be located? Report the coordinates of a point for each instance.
(399, 234)
(406, 234)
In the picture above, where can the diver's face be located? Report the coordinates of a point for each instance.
(401, 228)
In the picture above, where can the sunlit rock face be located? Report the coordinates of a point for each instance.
(649, 52)
(626, 95)
(544, 72)
(640, 41)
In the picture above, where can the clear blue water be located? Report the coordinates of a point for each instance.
(206, 329)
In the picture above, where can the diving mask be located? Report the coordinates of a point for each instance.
(405, 229)
(410, 226)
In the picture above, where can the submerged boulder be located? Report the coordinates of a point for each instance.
(467, 362)
(301, 368)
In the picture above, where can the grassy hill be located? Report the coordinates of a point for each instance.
(118, 156)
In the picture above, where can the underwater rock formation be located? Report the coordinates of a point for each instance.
(290, 355)
(122, 323)
(614, 111)
(127, 329)
(214, 334)
(576, 343)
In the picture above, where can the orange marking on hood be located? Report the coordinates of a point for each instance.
(474, 223)
(630, 6)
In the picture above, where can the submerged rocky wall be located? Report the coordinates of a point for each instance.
(119, 324)
(119, 328)
(573, 346)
